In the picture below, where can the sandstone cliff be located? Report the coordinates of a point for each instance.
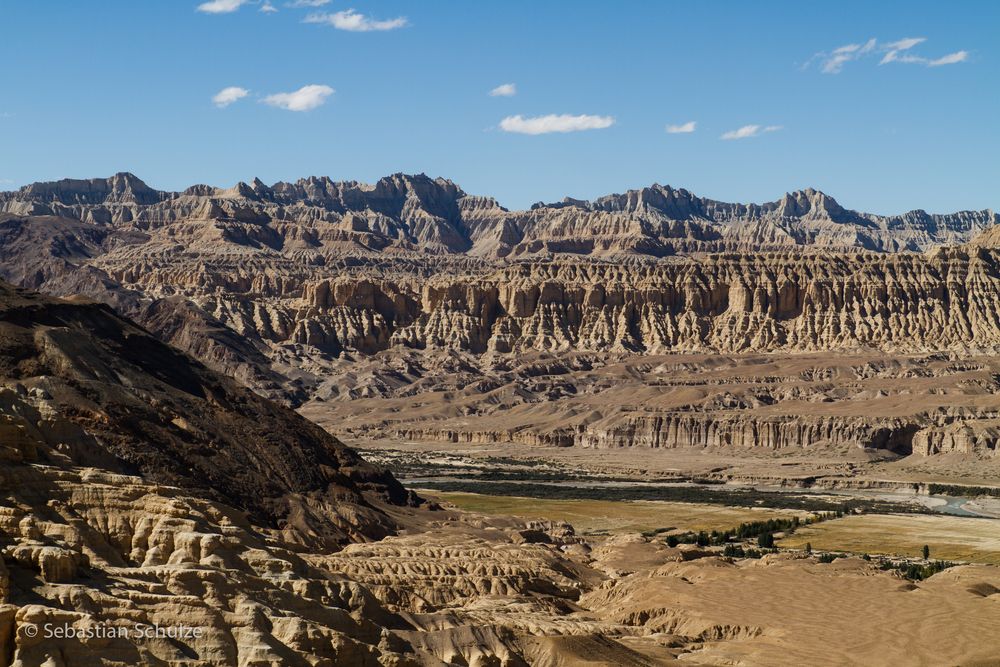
(293, 288)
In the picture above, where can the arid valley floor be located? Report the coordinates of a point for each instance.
(329, 423)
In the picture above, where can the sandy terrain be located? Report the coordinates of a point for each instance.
(793, 612)
(949, 538)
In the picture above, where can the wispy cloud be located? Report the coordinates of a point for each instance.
(748, 131)
(298, 4)
(683, 128)
(554, 123)
(305, 98)
(267, 8)
(894, 49)
(898, 51)
(950, 59)
(227, 96)
(221, 6)
(353, 21)
(834, 61)
(504, 90)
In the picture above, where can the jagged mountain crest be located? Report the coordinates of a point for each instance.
(125, 187)
(417, 213)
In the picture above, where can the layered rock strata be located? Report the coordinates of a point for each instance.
(318, 290)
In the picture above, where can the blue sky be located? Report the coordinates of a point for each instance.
(91, 88)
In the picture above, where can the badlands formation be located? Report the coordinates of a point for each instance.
(154, 512)
(644, 335)
(655, 318)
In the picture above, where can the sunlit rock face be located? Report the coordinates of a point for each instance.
(317, 290)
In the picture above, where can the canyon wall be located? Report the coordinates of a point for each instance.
(730, 303)
(340, 293)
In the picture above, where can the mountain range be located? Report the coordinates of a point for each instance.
(415, 213)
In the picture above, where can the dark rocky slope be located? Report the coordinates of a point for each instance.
(109, 395)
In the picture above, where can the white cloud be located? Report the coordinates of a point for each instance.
(905, 43)
(504, 90)
(684, 128)
(221, 6)
(834, 61)
(267, 8)
(950, 59)
(899, 51)
(742, 133)
(554, 123)
(355, 22)
(298, 4)
(227, 96)
(893, 50)
(748, 131)
(305, 98)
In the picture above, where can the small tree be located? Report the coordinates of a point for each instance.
(765, 541)
(927, 552)
(672, 541)
(809, 547)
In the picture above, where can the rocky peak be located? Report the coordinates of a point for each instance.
(123, 187)
(314, 190)
(393, 194)
(261, 189)
(809, 203)
(200, 190)
(241, 190)
(794, 204)
(678, 204)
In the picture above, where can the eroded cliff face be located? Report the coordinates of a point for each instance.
(86, 549)
(727, 303)
(774, 404)
(319, 291)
